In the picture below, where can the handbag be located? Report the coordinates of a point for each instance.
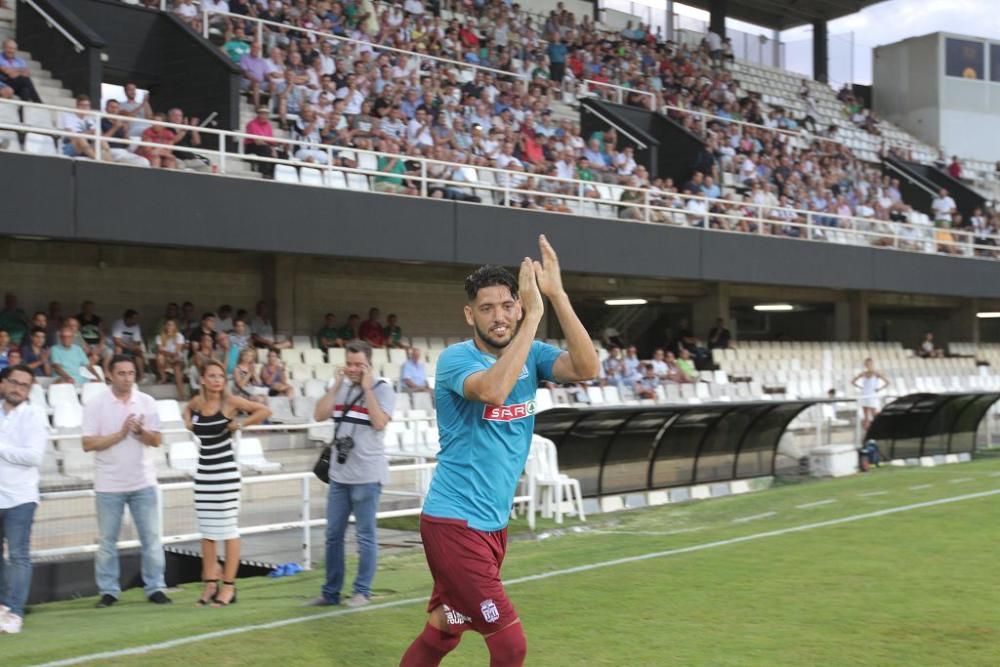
(322, 467)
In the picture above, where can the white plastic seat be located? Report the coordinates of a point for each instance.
(422, 400)
(250, 454)
(10, 138)
(303, 407)
(281, 409)
(314, 388)
(358, 183)
(183, 456)
(554, 487)
(284, 173)
(336, 179)
(92, 390)
(311, 176)
(312, 356)
(63, 393)
(39, 144)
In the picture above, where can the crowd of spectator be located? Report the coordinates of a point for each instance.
(392, 80)
(79, 348)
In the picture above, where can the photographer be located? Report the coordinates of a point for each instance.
(361, 407)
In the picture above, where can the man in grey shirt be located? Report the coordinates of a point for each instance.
(361, 407)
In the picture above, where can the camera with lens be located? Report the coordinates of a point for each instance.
(343, 445)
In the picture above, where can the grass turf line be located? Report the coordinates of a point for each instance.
(645, 592)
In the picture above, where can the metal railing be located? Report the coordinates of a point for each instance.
(52, 23)
(305, 521)
(545, 193)
(261, 24)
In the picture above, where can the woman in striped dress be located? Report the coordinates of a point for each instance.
(212, 417)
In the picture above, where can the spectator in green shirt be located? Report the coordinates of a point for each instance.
(584, 173)
(237, 45)
(349, 331)
(329, 335)
(392, 165)
(392, 333)
(687, 365)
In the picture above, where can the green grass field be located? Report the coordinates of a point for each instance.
(913, 587)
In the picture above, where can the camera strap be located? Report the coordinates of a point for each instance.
(348, 406)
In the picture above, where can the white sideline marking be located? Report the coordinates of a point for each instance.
(181, 641)
(994, 474)
(754, 517)
(818, 503)
(960, 479)
(658, 533)
(920, 486)
(873, 493)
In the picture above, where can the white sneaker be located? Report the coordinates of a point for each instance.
(4, 609)
(10, 624)
(358, 600)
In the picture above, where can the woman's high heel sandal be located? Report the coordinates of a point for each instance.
(219, 603)
(202, 601)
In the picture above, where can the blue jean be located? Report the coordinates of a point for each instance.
(15, 571)
(362, 499)
(143, 505)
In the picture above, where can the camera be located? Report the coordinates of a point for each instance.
(343, 445)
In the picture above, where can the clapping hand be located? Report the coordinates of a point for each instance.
(527, 285)
(547, 271)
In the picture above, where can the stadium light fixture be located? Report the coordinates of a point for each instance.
(773, 307)
(625, 302)
(988, 315)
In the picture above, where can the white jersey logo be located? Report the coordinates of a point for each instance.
(524, 373)
(490, 612)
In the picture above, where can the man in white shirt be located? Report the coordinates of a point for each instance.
(943, 206)
(23, 434)
(121, 426)
(80, 122)
(127, 337)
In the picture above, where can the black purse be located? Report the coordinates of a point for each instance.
(322, 467)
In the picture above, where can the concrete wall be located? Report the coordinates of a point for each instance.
(906, 81)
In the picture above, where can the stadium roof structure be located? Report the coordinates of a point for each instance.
(785, 14)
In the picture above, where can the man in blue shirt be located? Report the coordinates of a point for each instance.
(485, 396)
(14, 72)
(413, 374)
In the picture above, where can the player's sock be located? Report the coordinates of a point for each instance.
(429, 648)
(507, 647)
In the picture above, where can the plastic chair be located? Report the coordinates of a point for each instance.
(250, 454)
(555, 487)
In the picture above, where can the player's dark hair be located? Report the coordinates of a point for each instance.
(489, 275)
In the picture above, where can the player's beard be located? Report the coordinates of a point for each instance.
(495, 343)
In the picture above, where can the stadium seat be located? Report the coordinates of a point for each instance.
(92, 390)
(303, 407)
(281, 410)
(336, 356)
(311, 176)
(8, 140)
(314, 388)
(63, 393)
(40, 144)
(422, 400)
(250, 454)
(336, 179)
(313, 357)
(284, 173)
(358, 183)
(554, 487)
(324, 371)
(183, 456)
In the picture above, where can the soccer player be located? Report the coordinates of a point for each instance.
(485, 393)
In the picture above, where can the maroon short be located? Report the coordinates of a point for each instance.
(465, 564)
